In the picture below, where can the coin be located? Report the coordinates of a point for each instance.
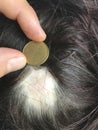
(36, 53)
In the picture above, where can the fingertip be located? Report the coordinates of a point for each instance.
(36, 35)
(16, 64)
(11, 60)
(29, 23)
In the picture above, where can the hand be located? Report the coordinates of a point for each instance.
(20, 10)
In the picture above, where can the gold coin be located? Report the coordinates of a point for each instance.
(36, 53)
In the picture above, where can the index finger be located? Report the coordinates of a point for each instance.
(26, 17)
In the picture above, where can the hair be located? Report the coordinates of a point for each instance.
(61, 94)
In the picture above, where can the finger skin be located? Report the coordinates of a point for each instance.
(21, 11)
(10, 60)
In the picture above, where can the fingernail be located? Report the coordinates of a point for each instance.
(16, 64)
(42, 34)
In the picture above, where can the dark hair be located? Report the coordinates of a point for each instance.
(72, 37)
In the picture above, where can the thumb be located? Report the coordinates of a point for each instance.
(10, 60)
